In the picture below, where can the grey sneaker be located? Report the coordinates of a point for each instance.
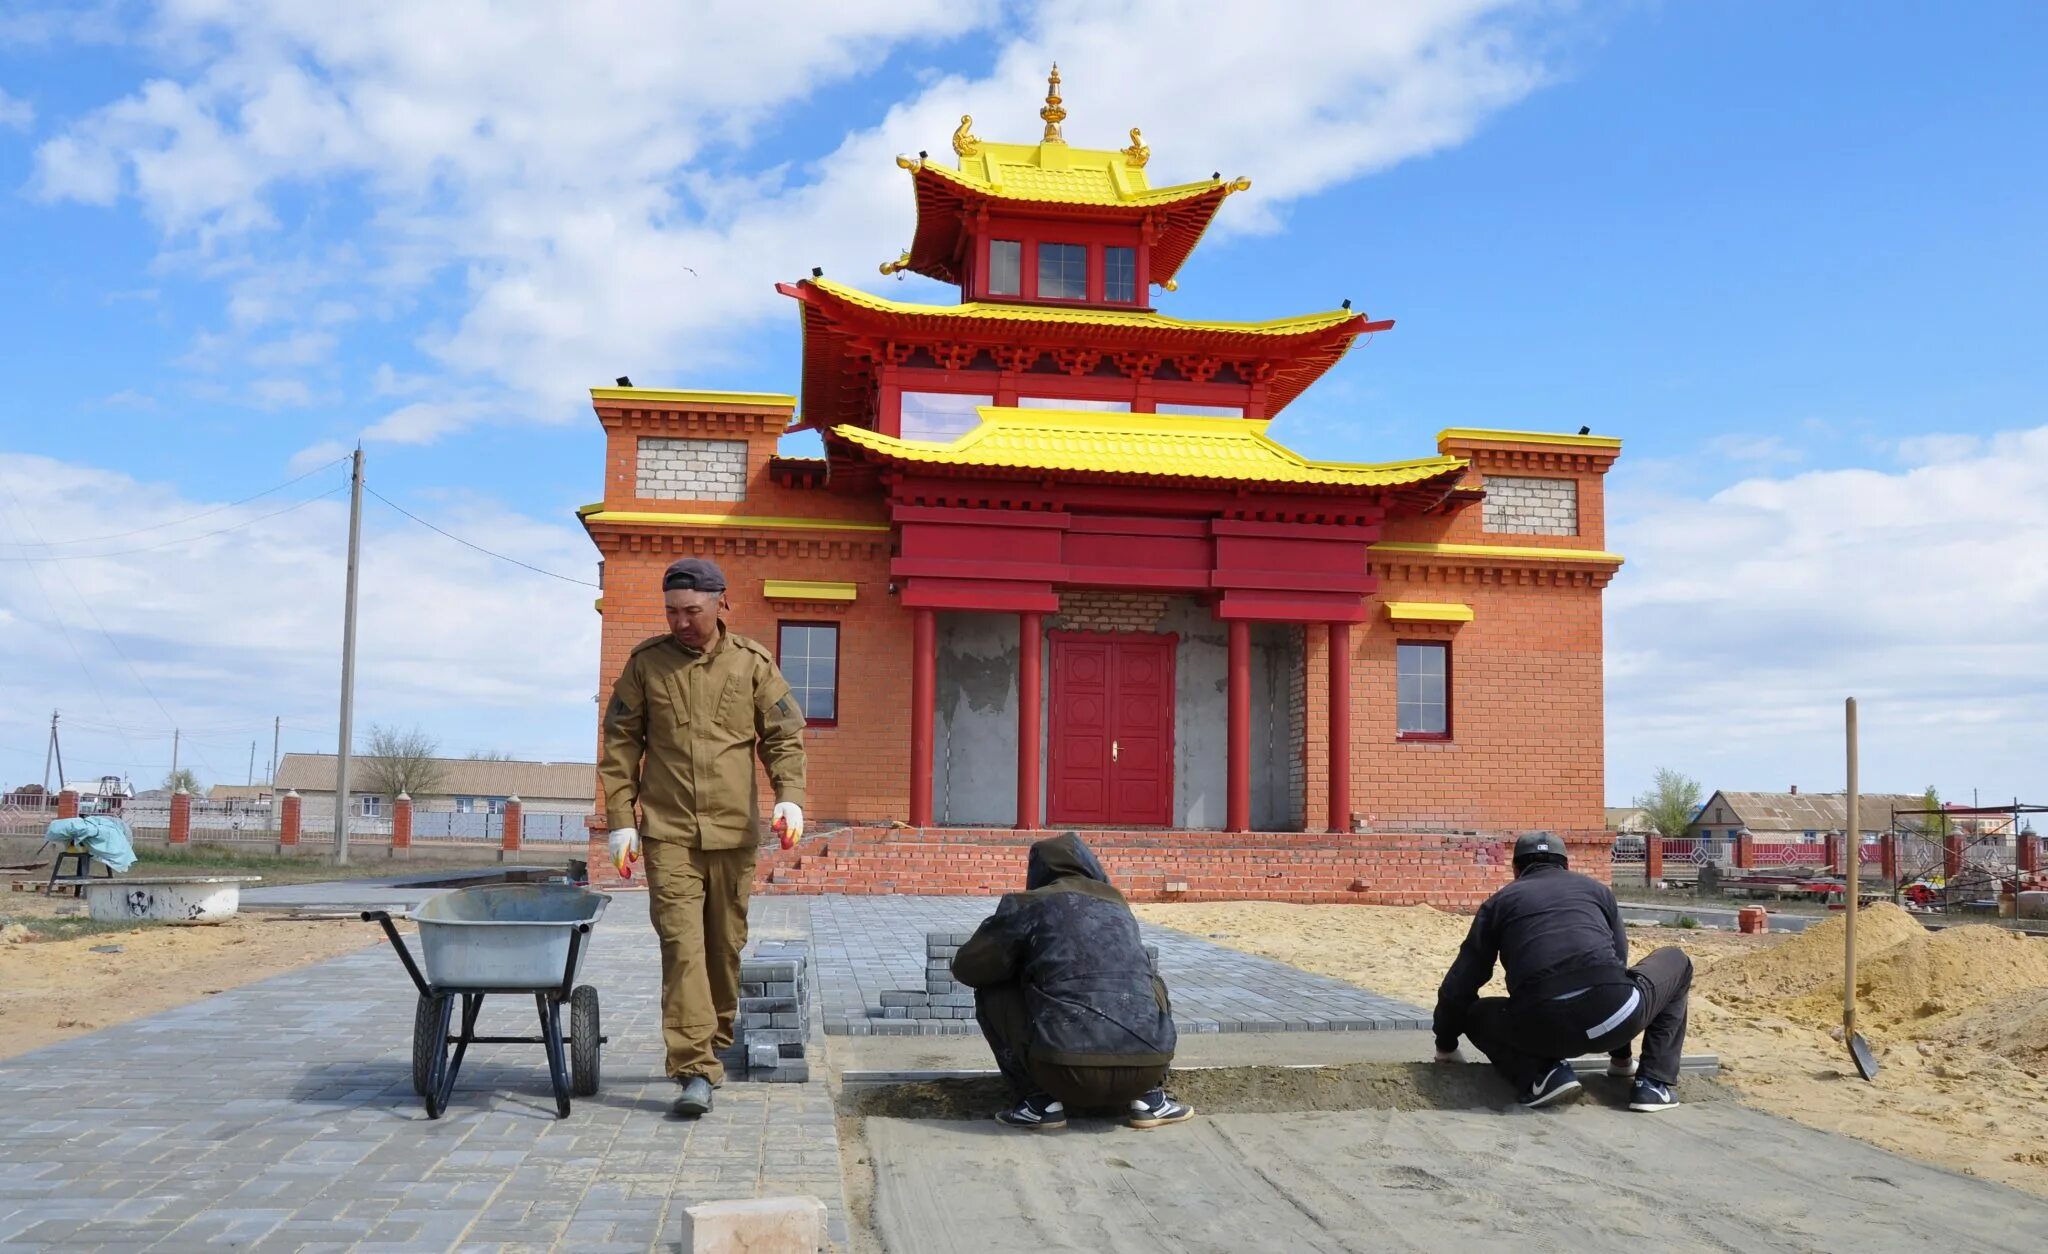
(695, 1100)
(1650, 1097)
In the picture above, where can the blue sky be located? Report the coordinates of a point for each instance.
(1782, 252)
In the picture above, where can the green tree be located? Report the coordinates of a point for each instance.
(1934, 824)
(1670, 803)
(185, 779)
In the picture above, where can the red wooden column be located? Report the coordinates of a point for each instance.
(1340, 727)
(1239, 809)
(924, 683)
(1030, 651)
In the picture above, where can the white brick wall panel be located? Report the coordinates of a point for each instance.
(1532, 507)
(691, 470)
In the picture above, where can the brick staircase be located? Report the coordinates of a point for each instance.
(1398, 869)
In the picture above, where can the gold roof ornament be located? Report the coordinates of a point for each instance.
(901, 263)
(1137, 154)
(964, 141)
(1053, 113)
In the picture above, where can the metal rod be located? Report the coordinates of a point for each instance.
(48, 751)
(1855, 856)
(348, 659)
(276, 733)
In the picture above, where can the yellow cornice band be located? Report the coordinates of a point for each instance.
(1396, 548)
(779, 399)
(807, 590)
(1428, 612)
(648, 518)
(1527, 437)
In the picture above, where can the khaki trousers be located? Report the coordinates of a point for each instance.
(698, 899)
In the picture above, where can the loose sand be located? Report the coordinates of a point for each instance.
(1959, 1018)
(51, 991)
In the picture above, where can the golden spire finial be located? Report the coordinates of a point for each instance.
(964, 141)
(1053, 113)
(1137, 154)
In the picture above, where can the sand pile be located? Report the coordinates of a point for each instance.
(1809, 962)
(2015, 1029)
(1933, 975)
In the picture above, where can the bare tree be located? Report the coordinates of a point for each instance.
(401, 762)
(1671, 802)
(490, 755)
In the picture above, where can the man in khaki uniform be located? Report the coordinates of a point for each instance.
(688, 715)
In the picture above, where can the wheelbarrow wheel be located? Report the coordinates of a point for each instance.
(429, 1040)
(585, 1038)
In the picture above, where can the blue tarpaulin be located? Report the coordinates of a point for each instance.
(104, 838)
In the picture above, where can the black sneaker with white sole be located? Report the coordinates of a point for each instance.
(1034, 1112)
(1560, 1084)
(1156, 1109)
(1648, 1095)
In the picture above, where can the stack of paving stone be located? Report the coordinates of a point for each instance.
(774, 1015)
(944, 997)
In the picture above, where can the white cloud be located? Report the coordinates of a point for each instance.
(1742, 621)
(588, 172)
(16, 114)
(1755, 449)
(279, 393)
(232, 630)
(1924, 449)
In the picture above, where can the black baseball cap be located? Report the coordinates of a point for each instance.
(693, 574)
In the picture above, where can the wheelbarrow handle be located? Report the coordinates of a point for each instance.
(398, 942)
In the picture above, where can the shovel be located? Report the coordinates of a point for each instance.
(1859, 1049)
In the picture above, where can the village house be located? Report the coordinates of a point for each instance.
(1055, 570)
(1800, 817)
(462, 786)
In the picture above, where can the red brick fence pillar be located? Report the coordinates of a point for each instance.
(1745, 850)
(1951, 855)
(514, 823)
(1653, 858)
(401, 823)
(2028, 854)
(288, 816)
(1888, 855)
(67, 804)
(181, 817)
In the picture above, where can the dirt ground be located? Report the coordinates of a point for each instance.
(1959, 1018)
(53, 990)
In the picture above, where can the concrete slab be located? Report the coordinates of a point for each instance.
(1585, 1178)
(396, 892)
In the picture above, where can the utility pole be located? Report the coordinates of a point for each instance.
(252, 762)
(276, 730)
(174, 759)
(50, 750)
(56, 747)
(348, 659)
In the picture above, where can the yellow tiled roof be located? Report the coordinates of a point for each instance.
(1157, 446)
(1075, 315)
(1057, 174)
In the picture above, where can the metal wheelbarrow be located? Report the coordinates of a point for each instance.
(504, 938)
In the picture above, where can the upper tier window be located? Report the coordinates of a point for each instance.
(1066, 402)
(940, 415)
(1120, 275)
(1202, 411)
(1005, 267)
(1062, 272)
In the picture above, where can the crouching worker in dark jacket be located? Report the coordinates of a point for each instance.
(1570, 988)
(1066, 997)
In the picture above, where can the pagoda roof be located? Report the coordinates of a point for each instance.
(1300, 349)
(1029, 443)
(1084, 183)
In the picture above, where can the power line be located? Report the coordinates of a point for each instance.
(478, 547)
(148, 548)
(117, 535)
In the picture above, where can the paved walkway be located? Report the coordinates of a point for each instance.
(864, 946)
(281, 1116)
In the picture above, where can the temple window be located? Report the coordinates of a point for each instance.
(1005, 267)
(1069, 403)
(808, 654)
(1201, 411)
(941, 415)
(1062, 272)
(1423, 690)
(1120, 275)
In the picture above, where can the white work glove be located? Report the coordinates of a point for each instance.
(789, 823)
(625, 844)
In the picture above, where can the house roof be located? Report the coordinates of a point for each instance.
(1804, 812)
(460, 777)
(1145, 446)
(1627, 819)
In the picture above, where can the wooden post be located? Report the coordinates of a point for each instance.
(1239, 768)
(1340, 727)
(1030, 652)
(924, 683)
(1851, 842)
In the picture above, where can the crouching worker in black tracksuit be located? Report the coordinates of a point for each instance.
(1066, 997)
(1570, 988)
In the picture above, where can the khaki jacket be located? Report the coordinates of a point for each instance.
(681, 734)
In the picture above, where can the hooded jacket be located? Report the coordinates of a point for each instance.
(1554, 931)
(1071, 941)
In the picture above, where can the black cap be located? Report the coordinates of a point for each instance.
(693, 574)
(1533, 847)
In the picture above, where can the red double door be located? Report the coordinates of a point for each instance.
(1110, 731)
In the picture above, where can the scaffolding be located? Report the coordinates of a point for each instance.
(1963, 859)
